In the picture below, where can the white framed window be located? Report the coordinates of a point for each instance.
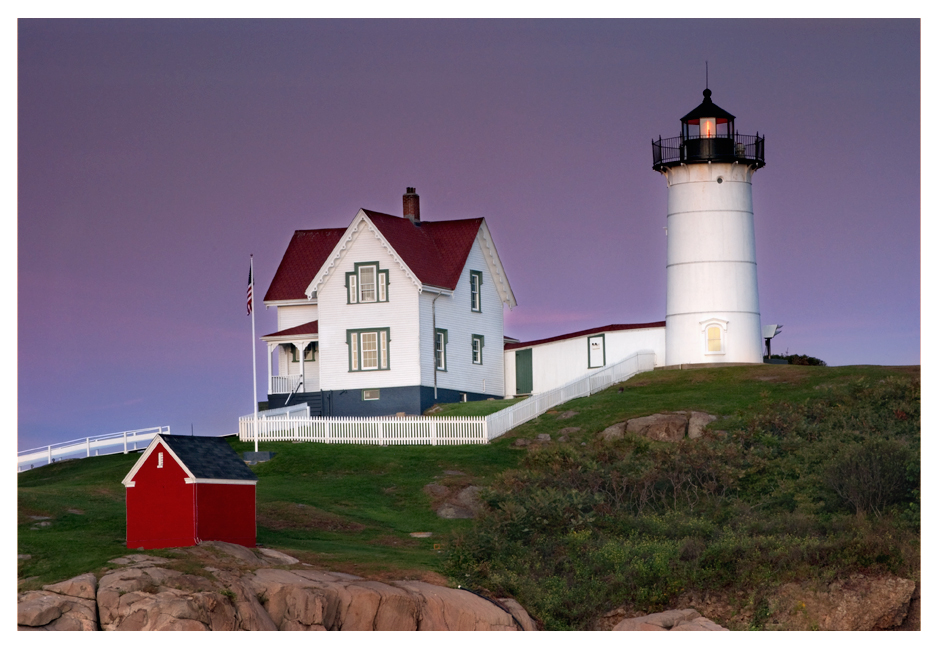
(475, 290)
(367, 283)
(478, 342)
(439, 345)
(368, 349)
(159, 460)
(371, 395)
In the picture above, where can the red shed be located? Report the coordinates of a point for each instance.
(185, 490)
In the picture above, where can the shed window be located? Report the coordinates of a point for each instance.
(159, 460)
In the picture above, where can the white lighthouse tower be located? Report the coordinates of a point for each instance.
(713, 297)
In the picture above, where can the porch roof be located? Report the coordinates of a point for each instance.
(307, 329)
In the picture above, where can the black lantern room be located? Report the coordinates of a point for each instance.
(708, 134)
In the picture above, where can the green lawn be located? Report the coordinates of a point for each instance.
(353, 507)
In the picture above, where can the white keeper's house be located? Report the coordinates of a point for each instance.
(388, 315)
(393, 314)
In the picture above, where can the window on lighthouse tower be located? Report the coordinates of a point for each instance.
(714, 339)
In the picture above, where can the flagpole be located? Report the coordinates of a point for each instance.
(253, 353)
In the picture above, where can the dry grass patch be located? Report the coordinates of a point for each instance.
(281, 515)
(390, 541)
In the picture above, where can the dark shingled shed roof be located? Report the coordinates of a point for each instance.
(209, 457)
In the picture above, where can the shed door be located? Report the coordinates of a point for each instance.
(524, 376)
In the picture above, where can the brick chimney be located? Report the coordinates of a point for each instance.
(412, 206)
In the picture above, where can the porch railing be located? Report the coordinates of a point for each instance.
(123, 442)
(436, 430)
(284, 384)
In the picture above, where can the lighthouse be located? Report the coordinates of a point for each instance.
(713, 296)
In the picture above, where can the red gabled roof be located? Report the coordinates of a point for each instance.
(435, 250)
(305, 329)
(307, 252)
(586, 332)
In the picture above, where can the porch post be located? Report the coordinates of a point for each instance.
(270, 371)
(302, 347)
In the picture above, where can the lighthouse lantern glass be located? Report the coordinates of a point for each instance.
(708, 127)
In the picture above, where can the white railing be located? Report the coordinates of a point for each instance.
(382, 431)
(123, 442)
(280, 426)
(287, 413)
(537, 404)
(284, 384)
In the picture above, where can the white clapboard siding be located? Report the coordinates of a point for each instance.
(293, 316)
(400, 314)
(556, 363)
(454, 313)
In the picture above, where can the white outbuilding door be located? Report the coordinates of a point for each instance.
(597, 351)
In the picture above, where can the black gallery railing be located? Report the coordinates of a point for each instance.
(748, 149)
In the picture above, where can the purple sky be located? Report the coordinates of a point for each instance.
(155, 156)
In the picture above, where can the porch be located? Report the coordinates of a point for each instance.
(294, 354)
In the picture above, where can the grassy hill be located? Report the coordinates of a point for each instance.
(578, 527)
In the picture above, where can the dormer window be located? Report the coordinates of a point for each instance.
(367, 283)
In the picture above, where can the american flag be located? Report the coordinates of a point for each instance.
(250, 289)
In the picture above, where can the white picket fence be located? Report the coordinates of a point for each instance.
(536, 405)
(123, 442)
(282, 427)
(382, 431)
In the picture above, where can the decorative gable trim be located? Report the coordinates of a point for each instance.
(361, 223)
(128, 480)
(484, 237)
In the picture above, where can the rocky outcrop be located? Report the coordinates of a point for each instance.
(675, 620)
(662, 427)
(454, 502)
(858, 603)
(44, 611)
(249, 593)
(65, 606)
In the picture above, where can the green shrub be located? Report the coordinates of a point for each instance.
(870, 476)
(579, 530)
